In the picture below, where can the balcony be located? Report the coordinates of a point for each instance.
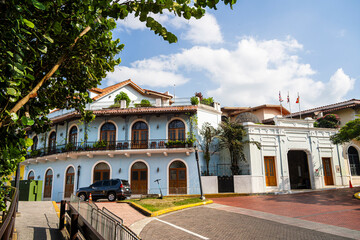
(113, 147)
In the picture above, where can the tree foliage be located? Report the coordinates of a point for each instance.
(52, 51)
(350, 131)
(231, 137)
(328, 121)
(208, 134)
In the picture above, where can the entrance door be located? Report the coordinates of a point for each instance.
(48, 183)
(177, 178)
(101, 172)
(327, 171)
(69, 182)
(270, 171)
(139, 178)
(299, 170)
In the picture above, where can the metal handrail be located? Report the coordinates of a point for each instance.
(8, 224)
(109, 145)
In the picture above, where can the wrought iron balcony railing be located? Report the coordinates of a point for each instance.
(110, 145)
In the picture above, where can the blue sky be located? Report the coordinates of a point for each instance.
(245, 56)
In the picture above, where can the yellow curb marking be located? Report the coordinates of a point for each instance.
(57, 210)
(357, 195)
(167, 210)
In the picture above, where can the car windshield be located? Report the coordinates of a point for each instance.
(124, 182)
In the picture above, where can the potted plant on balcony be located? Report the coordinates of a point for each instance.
(34, 153)
(175, 144)
(69, 147)
(100, 145)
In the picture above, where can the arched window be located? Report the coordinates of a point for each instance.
(177, 178)
(31, 175)
(101, 172)
(139, 135)
(73, 135)
(52, 142)
(35, 143)
(108, 133)
(177, 130)
(354, 161)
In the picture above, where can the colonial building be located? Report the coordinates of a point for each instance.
(140, 142)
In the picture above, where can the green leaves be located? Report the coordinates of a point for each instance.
(11, 91)
(38, 5)
(27, 121)
(28, 23)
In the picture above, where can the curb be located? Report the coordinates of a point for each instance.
(57, 210)
(167, 210)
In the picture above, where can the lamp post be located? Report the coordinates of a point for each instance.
(78, 176)
(198, 167)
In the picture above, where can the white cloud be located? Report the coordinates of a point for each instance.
(198, 31)
(251, 74)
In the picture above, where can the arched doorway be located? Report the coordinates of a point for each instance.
(73, 136)
(139, 133)
(101, 172)
(69, 182)
(298, 170)
(177, 178)
(139, 172)
(176, 130)
(108, 133)
(52, 142)
(31, 175)
(354, 161)
(48, 183)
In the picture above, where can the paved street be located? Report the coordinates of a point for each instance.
(331, 214)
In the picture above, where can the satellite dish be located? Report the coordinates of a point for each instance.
(246, 117)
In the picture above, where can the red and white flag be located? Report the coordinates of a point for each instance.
(288, 98)
(298, 99)
(280, 99)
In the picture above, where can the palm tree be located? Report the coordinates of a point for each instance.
(208, 134)
(231, 136)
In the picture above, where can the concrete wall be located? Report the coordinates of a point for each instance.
(209, 184)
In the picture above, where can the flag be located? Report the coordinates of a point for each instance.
(298, 99)
(288, 98)
(280, 99)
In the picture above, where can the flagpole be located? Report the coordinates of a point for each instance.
(288, 100)
(280, 100)
(299, 105)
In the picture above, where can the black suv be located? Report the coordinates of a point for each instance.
(111, 189)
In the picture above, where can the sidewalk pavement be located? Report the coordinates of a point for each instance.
(37, 220)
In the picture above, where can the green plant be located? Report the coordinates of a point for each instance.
(143, 103)
(175, 143)
(122, 96)
(207, 101)
(100, 144)
(328, 121)
(208, 134)
(350, 131)
(194, 100)
(34, 153)
(69, 146)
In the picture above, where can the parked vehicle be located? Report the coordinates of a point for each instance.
(111, 189)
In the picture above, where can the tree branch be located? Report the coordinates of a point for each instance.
(33, 92)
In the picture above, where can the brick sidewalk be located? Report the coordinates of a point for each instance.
(123, 210)
(333, 207)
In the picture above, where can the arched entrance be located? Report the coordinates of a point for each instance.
(101, 172)
(31, 175)
(177, 178)
(298, 170)
(139, 135)
(139, 174)
(48, 183)
(69, 182)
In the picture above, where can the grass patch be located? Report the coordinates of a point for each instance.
(154, 204)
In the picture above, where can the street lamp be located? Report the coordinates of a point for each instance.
(78, 176)
(198, 167)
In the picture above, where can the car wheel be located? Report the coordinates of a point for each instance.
(82, 196)
(111, 196)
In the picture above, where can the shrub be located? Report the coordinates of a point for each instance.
(122, 96)
(207, 101)
(328, 121)
(194, 100)
(143, 103)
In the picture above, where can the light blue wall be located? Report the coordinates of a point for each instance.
(119, 161)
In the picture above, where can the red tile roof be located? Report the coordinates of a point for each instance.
(127, 111)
